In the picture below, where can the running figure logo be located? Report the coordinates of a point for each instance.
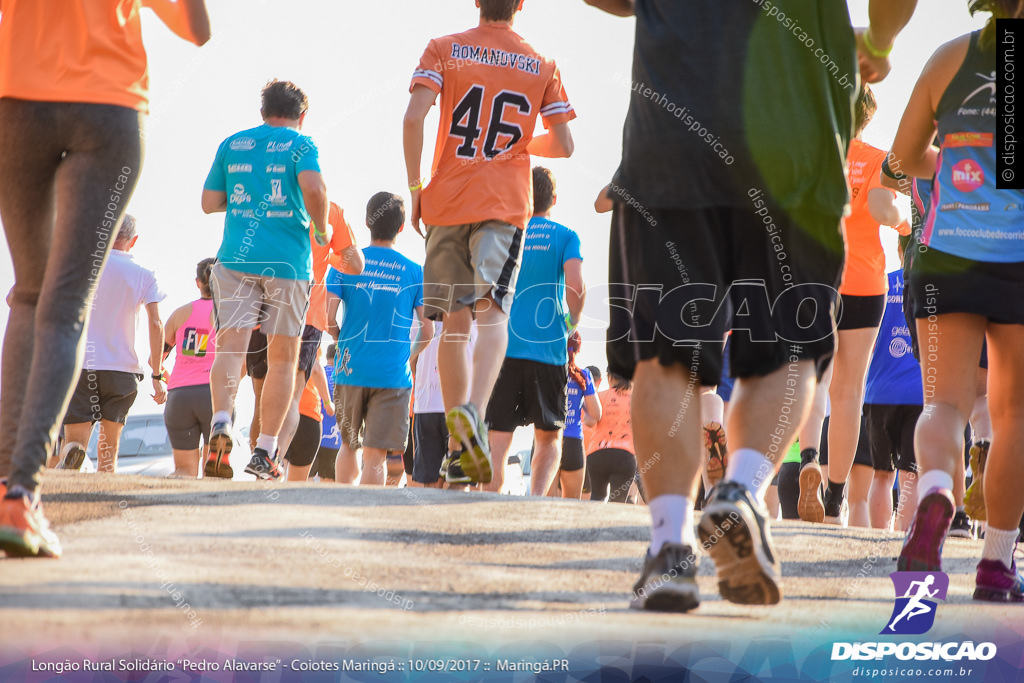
(916, 593)
(345, 358)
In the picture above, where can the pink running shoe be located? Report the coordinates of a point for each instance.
(995, 583)
(922, 550)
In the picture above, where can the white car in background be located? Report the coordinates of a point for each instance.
(146, 449)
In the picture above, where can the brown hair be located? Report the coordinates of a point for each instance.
(498, 10)
(283, 99)
(864, 110)
(543, 190)
(1000, 9)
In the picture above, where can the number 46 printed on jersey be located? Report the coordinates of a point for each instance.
(466, 122)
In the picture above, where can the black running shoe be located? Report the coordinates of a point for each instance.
(262, 466)
(453, 473)
(668, 582)
(836, 509)
(961, 526)
(734, 531)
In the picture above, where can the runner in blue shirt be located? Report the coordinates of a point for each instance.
(373, 381)
(892, 403)
(532, 384)
(582, 407)
(267, 181)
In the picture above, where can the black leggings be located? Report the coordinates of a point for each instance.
(305, 443)
(611, 468)
(67, 172)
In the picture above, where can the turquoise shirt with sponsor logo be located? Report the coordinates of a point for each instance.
(266, 229)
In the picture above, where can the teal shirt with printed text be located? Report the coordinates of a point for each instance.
(266, 229)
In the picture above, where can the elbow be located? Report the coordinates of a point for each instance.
(568, 147)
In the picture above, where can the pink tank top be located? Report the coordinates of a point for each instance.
(195, 345)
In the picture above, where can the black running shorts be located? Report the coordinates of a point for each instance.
(573, 459)
(679, 278)
(528, 392)
(891, 436)
(858, 312)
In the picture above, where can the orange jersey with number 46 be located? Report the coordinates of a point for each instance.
(493, 85)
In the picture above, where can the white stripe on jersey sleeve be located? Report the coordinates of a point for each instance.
(556, 108)
(432, 75)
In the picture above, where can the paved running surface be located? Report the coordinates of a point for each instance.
(208, 561)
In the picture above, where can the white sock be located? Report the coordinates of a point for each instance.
(671, 521)
(222, 416)
(933, 479)
(999, 545)
(712, 408)
(752, 469)
(267, 443)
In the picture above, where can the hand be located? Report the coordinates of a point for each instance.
(872, 69)
(160, 395)
(416, 195)
(329, 408)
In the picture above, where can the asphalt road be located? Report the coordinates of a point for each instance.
(216, 562)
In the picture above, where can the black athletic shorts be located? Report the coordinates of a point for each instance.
(306, 442)
(942, 283)
(573, 459)
(102, 395)
(858, 312)
(528, 392)
(430, 434)
(891, 436)
(256, 357)
(680, 278)
(863, 454)
(409, 453)
(324, 464)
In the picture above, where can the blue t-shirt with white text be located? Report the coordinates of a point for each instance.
(574, 405)
(330, 438)
(536, 327)
(374, 342)
(894, 377)
(266, 229)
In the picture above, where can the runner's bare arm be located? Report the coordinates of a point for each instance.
(319, 379)
(912, 151)
(620, 8)
(314, 193)
(592, 410)
(886, 19)
(188, 19)
(333, 303)
(420, 102)
(604, 203)
(423, 335)
(883, 207)
(156, 350)
(557, 143)
(215, 201)
(575, 289)
(179, 316)
(351, 260)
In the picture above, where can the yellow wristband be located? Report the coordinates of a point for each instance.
(418, 185)
(317, 230)
(872, 50)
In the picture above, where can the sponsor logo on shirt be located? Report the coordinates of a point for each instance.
(280, 214)
(279, 146)
(244, 213)
(275, 168)
(239, 168)
(968, 176)
(989, 85)
(242, 144)
(239, 195)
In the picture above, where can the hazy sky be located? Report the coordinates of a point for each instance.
(355, 60)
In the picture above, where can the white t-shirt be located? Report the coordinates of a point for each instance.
(124, 288)
(427, 394)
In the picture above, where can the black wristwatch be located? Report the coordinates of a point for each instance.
(160, 377)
